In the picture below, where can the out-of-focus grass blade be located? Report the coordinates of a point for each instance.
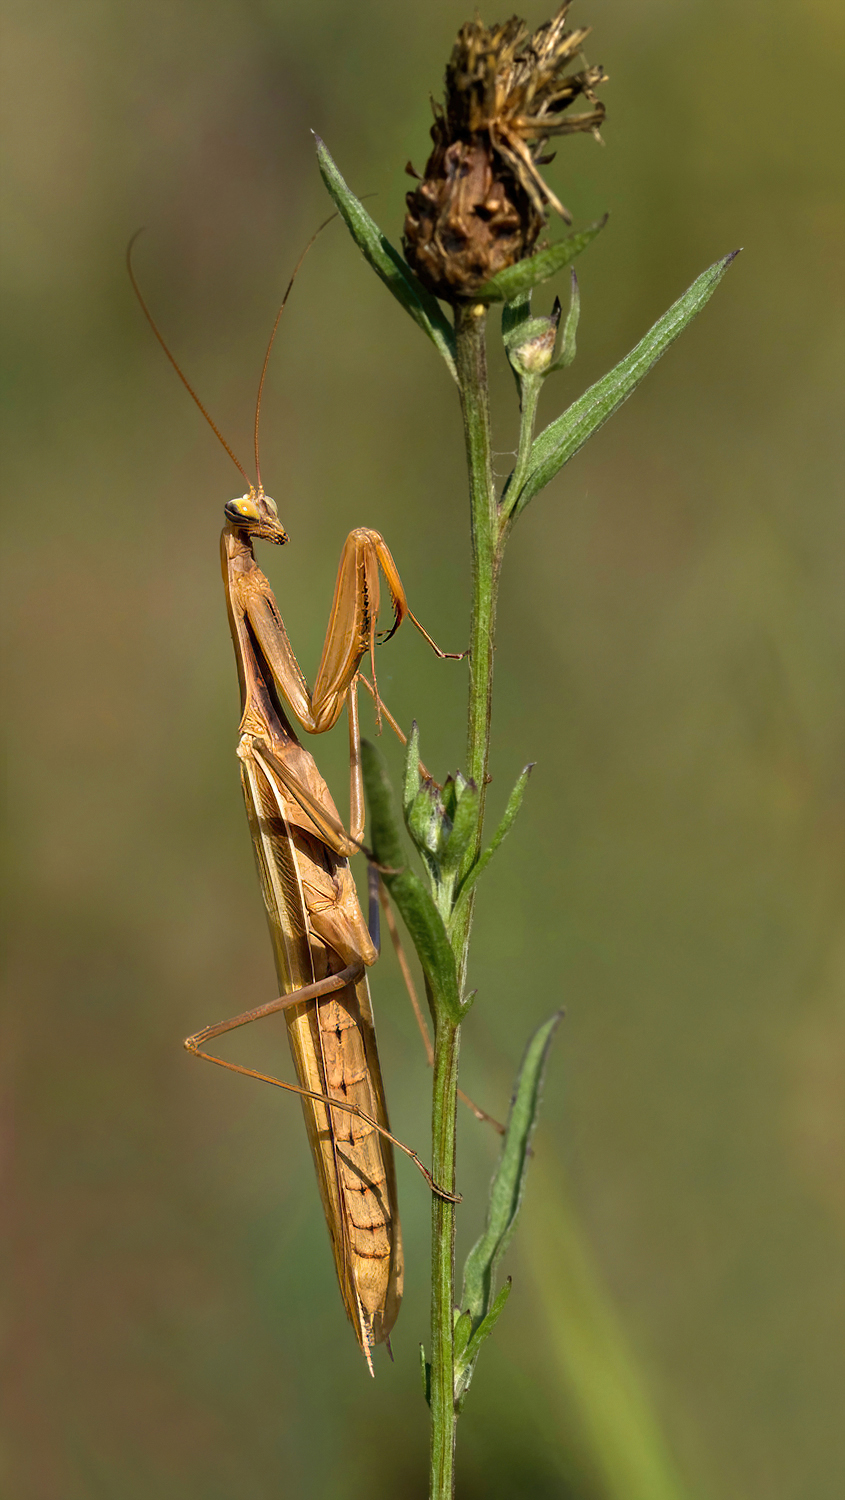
(511, 283)
(387, 262)
(562, 439)
(584, 1357)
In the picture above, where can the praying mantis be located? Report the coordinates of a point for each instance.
(321, 942)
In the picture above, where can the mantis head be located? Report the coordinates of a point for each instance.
(256, 514)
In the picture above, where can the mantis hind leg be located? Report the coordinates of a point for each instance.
(327, 986)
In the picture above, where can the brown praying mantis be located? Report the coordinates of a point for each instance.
(321, 943)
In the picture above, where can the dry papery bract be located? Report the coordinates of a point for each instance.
(482, 201)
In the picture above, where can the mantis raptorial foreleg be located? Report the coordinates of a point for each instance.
(322, 945)
(350, 635)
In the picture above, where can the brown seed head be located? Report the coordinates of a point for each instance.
(482, 201)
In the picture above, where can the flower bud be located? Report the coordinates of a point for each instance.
(532, 348)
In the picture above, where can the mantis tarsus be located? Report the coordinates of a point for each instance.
(321, 943)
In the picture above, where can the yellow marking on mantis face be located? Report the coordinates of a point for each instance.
(258, 514)
(246, 508)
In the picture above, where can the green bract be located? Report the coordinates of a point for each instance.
(540, 267)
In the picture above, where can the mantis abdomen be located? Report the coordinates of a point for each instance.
(317, 929)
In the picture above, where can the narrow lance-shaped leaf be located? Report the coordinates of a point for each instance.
(419, 913)
(562, 439)
(387, 262)
(480, 1308)
(510, 812)
(509, 284)
(467, 1356)
(508, 1183)
(488, 1322)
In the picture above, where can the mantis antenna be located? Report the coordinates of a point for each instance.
(288, 290)
(186, 383)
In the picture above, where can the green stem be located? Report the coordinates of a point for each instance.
(443, 1414)
(531, 387)
(471, 360)
(471, 356)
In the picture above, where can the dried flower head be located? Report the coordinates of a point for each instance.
(482, 201)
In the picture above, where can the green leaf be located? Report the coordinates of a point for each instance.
(478, 1303)
(514, 314)
(465, 1358)
(464, 823)
(411, 784)
(562, 439)
(489, 1321)
(387, 262)
(508, 1183)
(419, 913)
(570, 328)
(511, 283)
(514, 804)
(423, 821)
(462, 1323)
(385, 835)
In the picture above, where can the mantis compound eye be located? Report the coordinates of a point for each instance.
(244, 509)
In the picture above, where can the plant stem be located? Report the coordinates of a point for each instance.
(443, 1414)
(471, 359)
(531, 388)
(471, 356)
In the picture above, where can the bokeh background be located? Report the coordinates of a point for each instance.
(669, 655)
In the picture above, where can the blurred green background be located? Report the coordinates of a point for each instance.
(669, 655)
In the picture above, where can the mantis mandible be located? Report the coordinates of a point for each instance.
(321, 943)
